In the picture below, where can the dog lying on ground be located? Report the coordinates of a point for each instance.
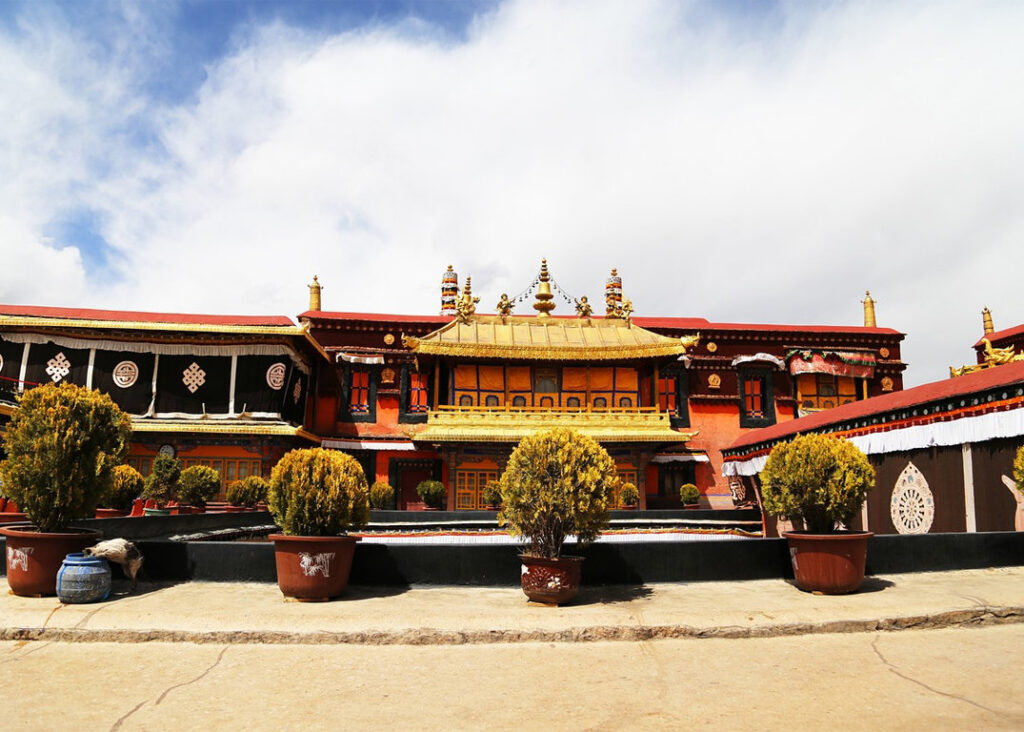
(119, 551)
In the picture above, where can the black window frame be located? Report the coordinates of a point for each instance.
(767, 397)
(681, 417)
(346, 395)
(405, 383)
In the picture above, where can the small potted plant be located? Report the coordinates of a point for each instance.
(822, 481)
(629, 496)
(248, 492)
(492, 495)
(689, 495)
(161, 484)
(315, 496)
(126, 487)
(381, 495)
(62, 446)
(197, 485)
(431, 492)
(556, 483)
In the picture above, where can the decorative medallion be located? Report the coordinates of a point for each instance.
(886, 384)
(714, 381)
(712, 346)
(126, 374)
(389, 338)
(275, 376)
(883, 352)
(912, 507)
(387, 376)
(167, 450)
(58, 367)
(193, 377)
(297, 391)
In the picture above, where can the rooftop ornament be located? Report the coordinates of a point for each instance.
(993, 357)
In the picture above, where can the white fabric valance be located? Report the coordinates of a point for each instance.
(367, 445)
(164, 349)
(760, 358)
(368, 360)
(680, 459)
(961, 431)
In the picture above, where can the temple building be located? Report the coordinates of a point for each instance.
(447, 397)
(226, 391)
(943, 452)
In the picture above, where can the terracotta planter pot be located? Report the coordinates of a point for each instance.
(110, 513)
(830, 564)
(12, 517)
(552, 581)
(34, 558)
(313, 568)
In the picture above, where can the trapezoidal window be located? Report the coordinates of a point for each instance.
(625, 402)
(573, 402)
(519, 401)
(359, 398)
(757, 407)
(465, 400)
(490, 400)
(600, 402)
(547, 402)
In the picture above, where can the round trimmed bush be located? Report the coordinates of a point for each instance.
(820, 479)
(198, 484)
(689, 493)
(629, 495)
(381, 495)
(63, 445)
(162, 482)
(248, 491)
(127, 486)
(557, 482)
(431, 492)
(492, 493)
(318, 492)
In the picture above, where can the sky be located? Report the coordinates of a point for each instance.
(739, 160)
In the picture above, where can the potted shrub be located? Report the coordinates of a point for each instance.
(822, 481)
(315, 496)
(125, 488)
(629, 496)
(197, 485)
(248, 492)
(381, 495)
(556, 483)
(161, 484)
(492, 495)
(62, 445)
(689, 494)
(431, 492)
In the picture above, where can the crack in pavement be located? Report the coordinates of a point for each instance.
(197, 678)
(119, 722)
(893, 669)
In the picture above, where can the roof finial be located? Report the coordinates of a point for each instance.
(986, 320)
(869, 310)
(449, 291)
(314, 294)
(613, 295)
(544, 306)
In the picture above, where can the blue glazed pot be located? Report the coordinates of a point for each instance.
(83, 579)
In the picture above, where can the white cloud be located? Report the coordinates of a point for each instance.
(745, 174)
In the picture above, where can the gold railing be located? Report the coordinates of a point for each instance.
(509, 409)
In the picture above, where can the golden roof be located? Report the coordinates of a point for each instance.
(482, 425)
(223, 427)
(549, 339)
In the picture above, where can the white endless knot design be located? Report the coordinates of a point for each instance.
(275, 376)
(310, 564)
(194, 377)
(126, 374)
(58, 367)
(912, 507)
(297, 392)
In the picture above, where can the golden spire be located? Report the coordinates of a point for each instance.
(544, 306)
(869, 310)
(314, 294)
(986, 319)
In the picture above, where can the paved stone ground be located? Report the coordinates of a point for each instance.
(956, 679)
(204, 612)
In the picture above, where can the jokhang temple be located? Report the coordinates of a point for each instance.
(447, 397)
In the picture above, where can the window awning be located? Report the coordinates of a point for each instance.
(858, 364)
